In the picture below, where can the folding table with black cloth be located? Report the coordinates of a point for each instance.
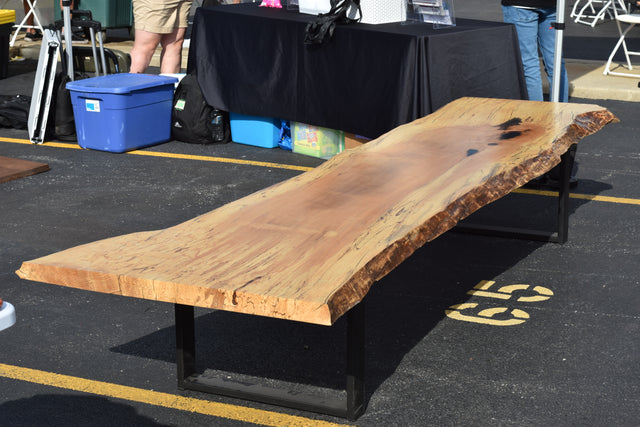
(368, 79)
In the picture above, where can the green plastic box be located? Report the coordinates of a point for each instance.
(316, 141)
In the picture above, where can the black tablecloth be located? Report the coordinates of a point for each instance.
(368, 79)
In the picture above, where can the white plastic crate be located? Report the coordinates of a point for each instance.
(383, 11)
(314, 7)
(373, 11)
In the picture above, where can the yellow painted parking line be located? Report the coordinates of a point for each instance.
(174, 155)
(606, 199)
(15, 140)
(166, 400)
(220, 160)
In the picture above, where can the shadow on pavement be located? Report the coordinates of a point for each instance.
(67, 410)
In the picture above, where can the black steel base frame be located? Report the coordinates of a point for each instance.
(560, 235)
(351, 407)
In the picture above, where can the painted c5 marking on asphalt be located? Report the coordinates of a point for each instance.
(486, 316)
(505, 293)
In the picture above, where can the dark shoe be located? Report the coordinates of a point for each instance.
(78, 38)
(75, 38)
(33, 37)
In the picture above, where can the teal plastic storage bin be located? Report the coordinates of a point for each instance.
(255, 130)
(122, 112)
(110, 13)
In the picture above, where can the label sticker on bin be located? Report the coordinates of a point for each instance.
(92, 105)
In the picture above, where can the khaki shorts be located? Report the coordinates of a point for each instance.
(161, 16)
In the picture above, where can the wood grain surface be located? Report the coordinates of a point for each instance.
(309, 248)
(11, 169)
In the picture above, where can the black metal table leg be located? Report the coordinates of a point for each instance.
(566, 165)
(558, 236)
(355, 361)
(185, 343)
(351, 407)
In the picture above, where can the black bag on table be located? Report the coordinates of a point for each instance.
(193, 120)
(321, 29)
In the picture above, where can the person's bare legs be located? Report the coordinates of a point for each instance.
(171, 56)
(29, 18)
(144, 46)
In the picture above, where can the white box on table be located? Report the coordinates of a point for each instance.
(373, 11)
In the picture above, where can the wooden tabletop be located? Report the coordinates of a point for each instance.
(309, 248)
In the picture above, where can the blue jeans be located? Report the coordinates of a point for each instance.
(534, 32)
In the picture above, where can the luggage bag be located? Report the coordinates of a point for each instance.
(51, 112)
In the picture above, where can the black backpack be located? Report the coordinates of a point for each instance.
(193, 120)
(64, 125)
(61, 123)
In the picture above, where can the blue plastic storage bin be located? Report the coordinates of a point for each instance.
(255, 130)
(122, 112)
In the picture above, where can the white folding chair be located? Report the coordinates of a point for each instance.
(33, 4)
(594, 11)
(586, 11)
(631, 19)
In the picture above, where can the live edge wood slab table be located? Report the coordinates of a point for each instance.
(309, 249)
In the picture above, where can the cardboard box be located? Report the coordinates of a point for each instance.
(122, 112)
